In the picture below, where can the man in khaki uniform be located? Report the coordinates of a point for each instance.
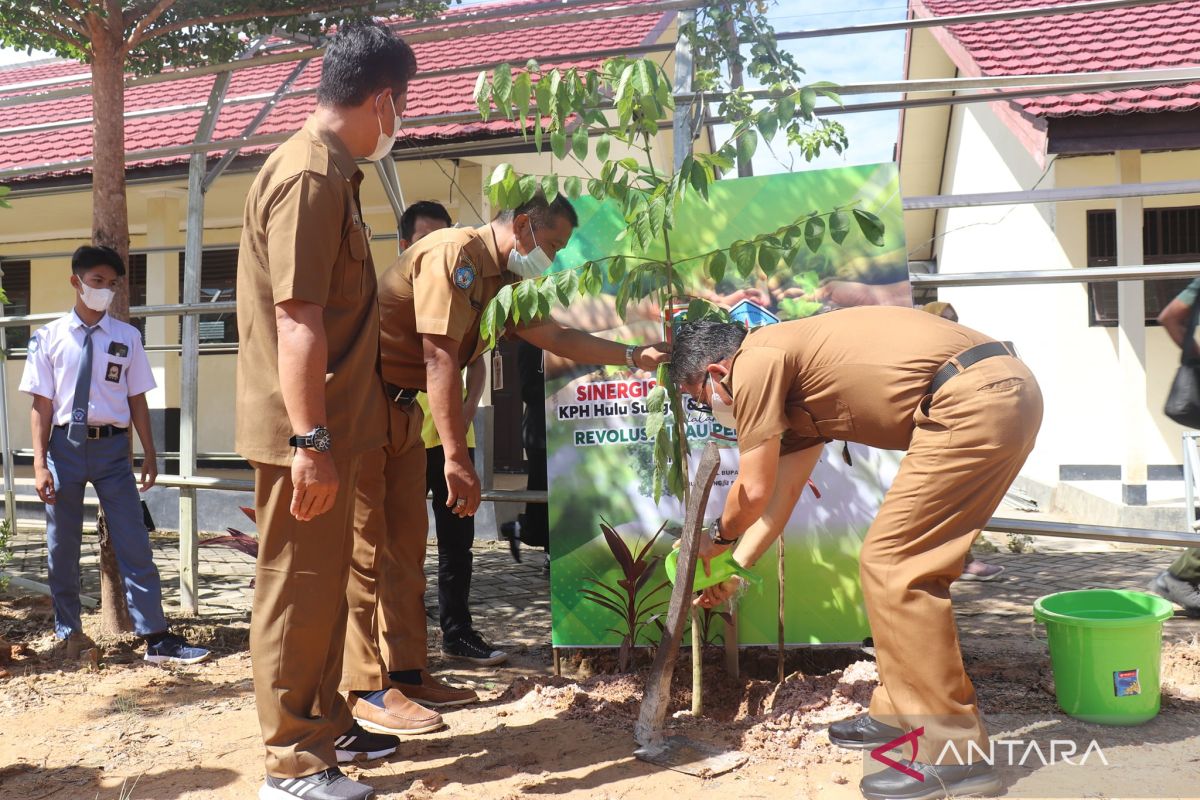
(966, 410)
(310, 403)
(430, 306)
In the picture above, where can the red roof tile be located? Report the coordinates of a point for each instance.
(442, 95)
(1143, 37)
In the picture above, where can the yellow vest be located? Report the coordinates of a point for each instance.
(429, 432)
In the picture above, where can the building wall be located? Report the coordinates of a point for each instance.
(1076, 364)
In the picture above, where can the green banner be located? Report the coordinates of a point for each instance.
(607, 578)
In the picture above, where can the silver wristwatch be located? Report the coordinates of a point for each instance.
(629, 351)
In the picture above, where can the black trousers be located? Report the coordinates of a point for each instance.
(455, 535)
(535, 521)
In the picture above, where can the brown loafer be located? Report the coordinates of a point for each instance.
(433, 693)
(399, 716)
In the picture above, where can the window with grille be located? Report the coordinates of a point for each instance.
(1169, 236)
(218, 283)
(135, 279)
(16, 286)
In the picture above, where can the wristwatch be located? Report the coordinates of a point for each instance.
(316, 439)
(629, 359)
(718, 538)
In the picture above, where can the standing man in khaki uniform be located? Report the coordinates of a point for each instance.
(967, 412)
(309, 404)
(430, 306)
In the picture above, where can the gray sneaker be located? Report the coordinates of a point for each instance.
(1177, 591)
(328, 785)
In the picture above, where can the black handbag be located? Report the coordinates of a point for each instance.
(1183, 401)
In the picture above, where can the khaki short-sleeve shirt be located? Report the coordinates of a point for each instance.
(857, 374)
(303, 238)
(440, 287)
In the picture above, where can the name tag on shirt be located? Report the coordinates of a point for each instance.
(113, 373)
(117, 349)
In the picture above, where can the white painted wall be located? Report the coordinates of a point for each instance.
(1076, 365)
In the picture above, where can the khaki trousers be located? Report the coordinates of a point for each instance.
(971, 440)
(298, 622)
(386, 590)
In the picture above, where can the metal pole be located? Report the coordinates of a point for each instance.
(1131, 337)
(683, 131)
(1039, 277)
(10, 497)
(1072, 194)
(1189, 478)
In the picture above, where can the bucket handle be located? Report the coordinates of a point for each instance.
(1034, 624)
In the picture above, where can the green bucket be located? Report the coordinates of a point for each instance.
(1105, 649)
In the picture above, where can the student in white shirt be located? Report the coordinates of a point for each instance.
(88, 375)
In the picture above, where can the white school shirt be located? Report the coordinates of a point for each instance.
(120, 369)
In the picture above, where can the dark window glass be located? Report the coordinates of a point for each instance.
(218, 283)
(1169, 236)
(135, 279)
(16, 287)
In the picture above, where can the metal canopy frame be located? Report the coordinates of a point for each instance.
(201, 178)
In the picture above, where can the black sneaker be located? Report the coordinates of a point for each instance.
(328, 785)
(176, 650)
(474, 648)
(935, 781)
(862, 733)
(360, 743)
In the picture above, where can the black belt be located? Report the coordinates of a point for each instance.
(401, 397)
(968, 358)
(99, 431)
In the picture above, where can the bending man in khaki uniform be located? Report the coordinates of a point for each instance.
(430, 304)
(966, 411)
(310, 403)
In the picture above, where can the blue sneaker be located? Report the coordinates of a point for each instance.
(175, 649)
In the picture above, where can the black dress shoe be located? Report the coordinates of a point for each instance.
(948, 780)
(512, 534)
(862, 733)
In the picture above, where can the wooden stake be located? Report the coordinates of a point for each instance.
(697, 664)
(779, 665)
(649, 727)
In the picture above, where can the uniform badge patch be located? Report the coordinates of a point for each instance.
(78, 415)
(464, 276)
(33, 345)
(113, 373)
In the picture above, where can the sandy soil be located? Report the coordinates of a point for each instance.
(127, 729)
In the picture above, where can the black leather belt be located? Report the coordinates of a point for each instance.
(99, 431)
(401, 397)
(968, 358)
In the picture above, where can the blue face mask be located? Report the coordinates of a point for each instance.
(531, 264)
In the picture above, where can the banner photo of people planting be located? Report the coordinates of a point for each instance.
(609, 537)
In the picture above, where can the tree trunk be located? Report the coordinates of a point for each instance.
(110, 226)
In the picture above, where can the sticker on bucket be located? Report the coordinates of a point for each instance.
(1126, 683)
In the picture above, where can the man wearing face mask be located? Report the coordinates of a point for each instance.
(310, 404)
(88, 376)
(430, 304)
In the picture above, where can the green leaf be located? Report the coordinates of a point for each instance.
(544, 97)
(616, 269)
(699, 180)
(558, 144)
(556, 110)
(621, 93)
(532, 65)
(658, 215)
(483, 94)
(746, 259)
(808, 101)
(489, 322)
(768, 260)
(768, 123)
(572, 186)
(504, 298)
(579, 142)
(502, 88)
(870, 225)
(747, 143)
(527, 300)
(839, 226)
(716, 266)
(527, 187)
(654, 422)
(630, 163)
(550, 187)
(656, 400)
(814, 233)
(602, 145)
(537, 131)
(596, 188)
(547, 295)
(567, 284)
(521, 93)
(787, 107)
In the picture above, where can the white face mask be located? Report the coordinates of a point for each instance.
(531, 264)
(383, 145)
(722, 412)
(96, 299)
